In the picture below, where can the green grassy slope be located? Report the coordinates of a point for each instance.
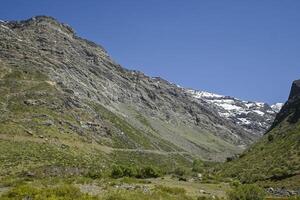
(275, 159)
(44, 127)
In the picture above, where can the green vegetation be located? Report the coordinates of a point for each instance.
(60, 192)
(198, 166)
(43, 128)
(132, 171)
(51, 147)
(271, 160)
(208, 198)
(159, 192)
(246, 192)
(166, 163)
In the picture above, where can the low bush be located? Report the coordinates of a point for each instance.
(279, 173)
(159, 192)
(198, 166)
(179, 171)
(170, 190)
(130, 171)
(235, 183)
(246, 192)
(117, 171)
(93, 174)
(65, 192)
(148, 172)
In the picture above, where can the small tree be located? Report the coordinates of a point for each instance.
(198, 166)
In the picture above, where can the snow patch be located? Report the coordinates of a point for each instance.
(259, 112)
(244, 120)
(277, 106)
(237, 110)
(230, 107)
(203, 94)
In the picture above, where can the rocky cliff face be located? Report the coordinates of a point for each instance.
(255, 117)
(53, 81)
(295, 90)
(291, 109)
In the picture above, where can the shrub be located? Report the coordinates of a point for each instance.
(246, 192)
(198, 166)
(66, 192)
(117, 171)
(270, 138)
(130, 171)
(94, 174)
(235, 183)
(179, 171)
(278, 173)
(171, 190)
(148, 172)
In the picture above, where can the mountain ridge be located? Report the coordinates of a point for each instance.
(101, 101)
(251, 115)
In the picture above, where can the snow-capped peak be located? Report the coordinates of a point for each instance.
(250, 115)
(277, 107)
(203, 94)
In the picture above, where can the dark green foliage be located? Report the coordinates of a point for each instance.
(235, 184)
(119, 171)
(198, 166)
(94, 174)
(246, 192)
(270, 138)
(179, 171)
(149, 172)
(280, 173)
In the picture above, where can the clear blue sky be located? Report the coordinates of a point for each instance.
(246, 49)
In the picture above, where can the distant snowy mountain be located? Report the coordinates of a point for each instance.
(256, 117)
(277, 107)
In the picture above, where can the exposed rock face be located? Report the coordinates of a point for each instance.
(295, 90)
(255, 117)
(79, 74)
(291, 108)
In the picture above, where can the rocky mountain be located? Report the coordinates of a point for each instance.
(255, 117)
(275, 158)
(63, 95)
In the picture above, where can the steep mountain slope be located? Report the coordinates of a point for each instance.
(255, 117)
(65, 102)
(276, 157)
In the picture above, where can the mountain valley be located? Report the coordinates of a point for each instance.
(72, 118)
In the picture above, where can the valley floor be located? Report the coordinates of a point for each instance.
(164, 188)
